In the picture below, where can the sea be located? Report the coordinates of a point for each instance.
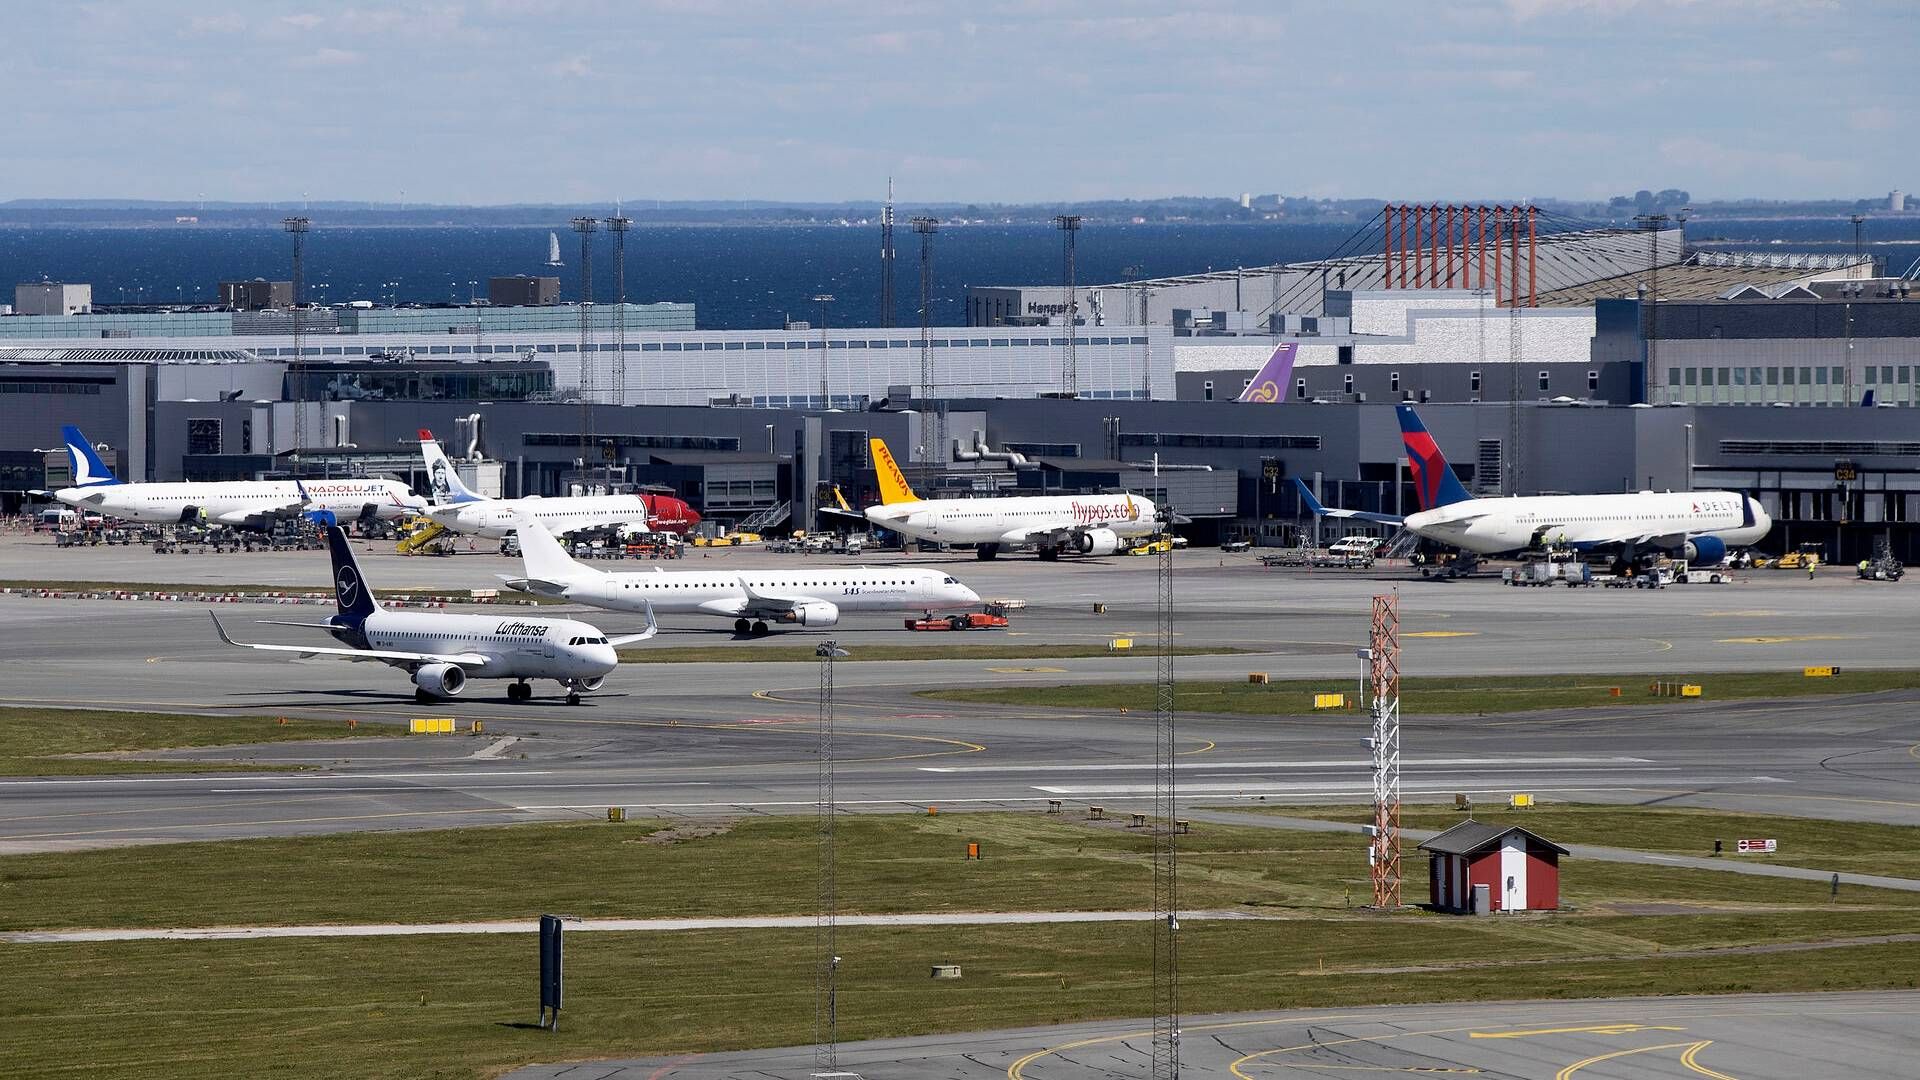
(748, 277)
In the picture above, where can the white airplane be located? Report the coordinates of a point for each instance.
(751, 598)
(1698, 525)
(459, 510)
(245, 503)
(1087, 524)
(441, 652)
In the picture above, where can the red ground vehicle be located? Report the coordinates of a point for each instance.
(993, 618)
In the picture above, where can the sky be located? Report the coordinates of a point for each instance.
(504, 101)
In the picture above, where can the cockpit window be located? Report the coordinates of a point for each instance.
(951, 581)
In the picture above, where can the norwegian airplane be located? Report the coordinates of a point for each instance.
(442, 652)
(253, 504)
(459, 510)
(753, 599)
(1698, 525)
(1085, 524)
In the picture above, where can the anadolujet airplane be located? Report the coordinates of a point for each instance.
(441, 652)
(753, 599)
(253, 504)
(1698, 525)
(1086, 524)
(459, 510)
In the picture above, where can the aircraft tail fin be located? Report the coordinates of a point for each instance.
(543, 556)
(1434, 483)
(1270, 385)
(1866, 399)
(893, 483)
(442, 478)
(88, 469)
(350, 588)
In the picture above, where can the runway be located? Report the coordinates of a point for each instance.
(727, 739)
(1771, 1037)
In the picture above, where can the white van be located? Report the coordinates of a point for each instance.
(61, 520)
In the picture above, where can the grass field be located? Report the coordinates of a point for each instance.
(888, 864)
(33, 740)
(457, 1006)
(1452, 696)
(1001, 648)
(460, 1006)
(1847, 846)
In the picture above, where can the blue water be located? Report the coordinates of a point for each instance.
(740, 277)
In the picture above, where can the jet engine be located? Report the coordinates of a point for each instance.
(589, 685)
(1097, 542)
(817, 613)
(441, 680)
(1706, 550)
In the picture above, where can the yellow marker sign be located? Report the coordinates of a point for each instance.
(1825, 671)
(430, 725)
(1329, 701)
(1120, 643)
(1596, 1029)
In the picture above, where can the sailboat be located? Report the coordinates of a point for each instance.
(553, 250)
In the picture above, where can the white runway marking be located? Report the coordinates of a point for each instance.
(1355, 763)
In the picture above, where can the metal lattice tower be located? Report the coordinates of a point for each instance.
(1512, 457)
(297, 228)
(1069, 226)
(821, 300)
(618, 226)
(930, 441)
(1383, 684)
(1166, 813)
(826, 1015)
(588, 383)
(886, 257)
(1653, 223)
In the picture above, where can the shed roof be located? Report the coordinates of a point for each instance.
(1470, 837)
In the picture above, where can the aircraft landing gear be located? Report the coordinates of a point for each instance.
(519, 691)
(986, 552)
(421, 697)
(741, 627)
(760, 629)
(573, 697)
(1049, 553)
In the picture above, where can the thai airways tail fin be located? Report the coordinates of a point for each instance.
(1270, 385)
(893, 483)
(88, 469)
(443, 479)
(350, 588)
(1434, 483)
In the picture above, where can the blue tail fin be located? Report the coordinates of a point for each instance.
(1866, 399)
(350, 589)
(88, 469)
(1433, 481)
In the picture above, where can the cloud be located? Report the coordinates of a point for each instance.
(329, 57)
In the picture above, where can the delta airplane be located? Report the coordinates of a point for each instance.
(1698, 525)
(459, 510)
(751, 598)
(441, 652)
(253, 504)
(1087, 524)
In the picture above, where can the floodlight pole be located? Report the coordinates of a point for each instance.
(1166, 812)
(826, 1021)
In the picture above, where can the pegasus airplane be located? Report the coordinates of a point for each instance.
(460, 510)
(1087, 524)
(442, 652)
(1696, 525)
(751, 598)
(252, 504)
(1269, 386)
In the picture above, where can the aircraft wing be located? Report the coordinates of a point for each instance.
(628, 639)
(536, 586)
(842, 514)
(759, 601)
(241, 517)
(1314, 507)
(385, 657)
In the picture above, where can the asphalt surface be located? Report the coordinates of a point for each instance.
(1770, 1037)
(726, 739)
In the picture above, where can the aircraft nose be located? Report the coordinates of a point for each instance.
(967, 595)
(604, 658)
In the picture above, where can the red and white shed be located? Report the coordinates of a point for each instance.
(1520, 869)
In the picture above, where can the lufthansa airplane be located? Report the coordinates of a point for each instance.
(252, 504)
(442, 652)
(1698, 525)
(751, 598)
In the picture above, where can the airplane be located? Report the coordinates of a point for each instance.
(1269, 385)
(1698, 525)
(460, 510)
(253, 504)
(1087, 524)
(753, 599)
(442, 652)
